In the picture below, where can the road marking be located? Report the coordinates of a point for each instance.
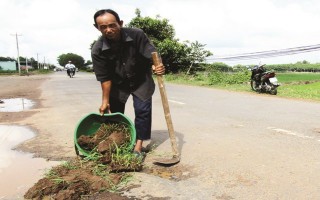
(178, 102)
(283, 131)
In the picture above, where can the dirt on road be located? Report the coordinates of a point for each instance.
(233, 145)
(77, 179)
(28, 87)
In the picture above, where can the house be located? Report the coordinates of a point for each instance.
(8, 65)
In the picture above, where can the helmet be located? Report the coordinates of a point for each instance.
(69, 61)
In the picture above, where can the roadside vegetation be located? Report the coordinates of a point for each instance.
(24, 72)
(293, 85)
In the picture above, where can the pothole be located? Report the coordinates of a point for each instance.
(175, 173)
(18, 170)
(15, 104)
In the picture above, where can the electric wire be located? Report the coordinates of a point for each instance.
(266, 54)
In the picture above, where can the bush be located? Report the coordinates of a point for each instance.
(221, 78)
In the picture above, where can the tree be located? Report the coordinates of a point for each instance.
(162, 34)
(77, 60)
(89, 62)
(173, 54)
(176, 56)
(156, 29)
(33, 63)
(197, 54)
(6, 59)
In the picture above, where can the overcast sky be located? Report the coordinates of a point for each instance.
(50, 28)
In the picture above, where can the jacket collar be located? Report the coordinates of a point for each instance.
(124, 38)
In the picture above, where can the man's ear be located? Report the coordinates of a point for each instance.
(121, 23)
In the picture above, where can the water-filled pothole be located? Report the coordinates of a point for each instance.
(18, 170)
(15, 104)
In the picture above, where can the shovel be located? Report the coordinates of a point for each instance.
(176, 157)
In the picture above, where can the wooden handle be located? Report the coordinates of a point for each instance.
(157, 61)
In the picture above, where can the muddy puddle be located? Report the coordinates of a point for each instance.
(174, 173)
(15, 105)
(18, 170)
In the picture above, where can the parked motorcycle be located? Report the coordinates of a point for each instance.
(264, 81)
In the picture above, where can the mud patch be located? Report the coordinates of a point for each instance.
(175, 173)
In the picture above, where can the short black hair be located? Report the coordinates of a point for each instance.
(102, 12)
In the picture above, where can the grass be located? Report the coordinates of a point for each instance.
(293, 85)
(297, 77)
(303, 91)
(299, 85)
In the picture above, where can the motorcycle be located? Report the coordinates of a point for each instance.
(71, 72)
(264, 81)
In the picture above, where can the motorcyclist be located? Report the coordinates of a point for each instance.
(69, 66)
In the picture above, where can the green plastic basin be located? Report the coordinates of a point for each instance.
(89, 124)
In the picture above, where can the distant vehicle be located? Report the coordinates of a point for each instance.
(57, 69)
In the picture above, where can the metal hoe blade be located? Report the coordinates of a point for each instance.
(167, 161)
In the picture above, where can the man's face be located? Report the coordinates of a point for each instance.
(109, 27)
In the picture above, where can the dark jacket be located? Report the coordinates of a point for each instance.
(128, 66)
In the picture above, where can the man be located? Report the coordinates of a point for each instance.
(70, 67)
(122, 63)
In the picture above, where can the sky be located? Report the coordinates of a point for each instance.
(49, 28)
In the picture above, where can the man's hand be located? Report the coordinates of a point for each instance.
(159, 70)
(104, 108)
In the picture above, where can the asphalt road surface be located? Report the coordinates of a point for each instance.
(233, 145)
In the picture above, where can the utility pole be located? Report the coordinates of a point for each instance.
(18, 52)
(27, 65)
(38, 61)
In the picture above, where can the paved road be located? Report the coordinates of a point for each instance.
(233, 145)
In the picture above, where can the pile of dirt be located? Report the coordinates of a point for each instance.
(103, 170)
(74, 180)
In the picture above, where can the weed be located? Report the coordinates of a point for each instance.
(69, 165)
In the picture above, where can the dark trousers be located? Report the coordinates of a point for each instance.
(68, 72)
(143, 114)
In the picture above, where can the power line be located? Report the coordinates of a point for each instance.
(265, 54)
